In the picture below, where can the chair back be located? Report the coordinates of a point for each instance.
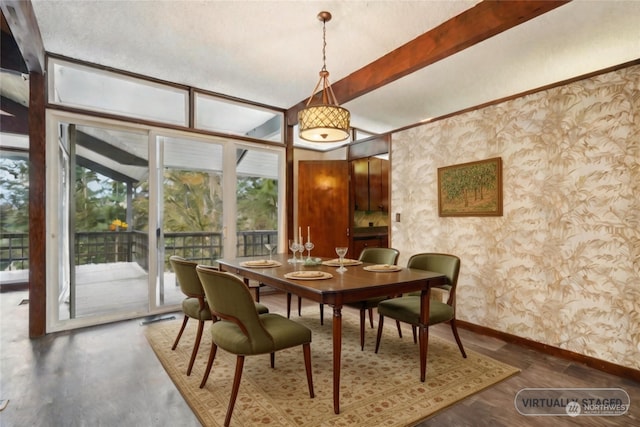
(187, 277)
(230, 299)
(387, 256)
(446, 264)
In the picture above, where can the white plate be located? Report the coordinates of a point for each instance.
(382, 268)
(308, 275)
(346, 262)
(260, 263)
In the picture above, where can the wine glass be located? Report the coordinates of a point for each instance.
(341, 251)
(300, 248)
(308, 246)
(270, 247)
(293, 247)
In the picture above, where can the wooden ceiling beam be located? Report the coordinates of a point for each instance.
(21, 19)
(484, 20)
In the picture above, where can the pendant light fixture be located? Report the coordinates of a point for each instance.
(327, 121)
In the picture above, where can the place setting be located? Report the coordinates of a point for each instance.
(336, 262)
(308, 275)
(263, 263)
(341, 261)
(382, 268)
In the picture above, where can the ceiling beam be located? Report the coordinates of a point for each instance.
(21, 18)
(484, 20)
(109, 151)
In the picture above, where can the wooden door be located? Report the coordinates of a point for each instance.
(323, 204)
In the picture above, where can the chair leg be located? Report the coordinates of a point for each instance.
(399, 328)
(288, 305)
(454, 329)
(184, 324)
(273, 360)
(322, 314)
(212, 355)
(362, 320)
(196, 346)
(371, 317)
(379, 336)
(306, 349)
(234, 390)
(415, 338)
(299, 306)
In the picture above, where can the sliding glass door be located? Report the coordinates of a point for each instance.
(122, 199)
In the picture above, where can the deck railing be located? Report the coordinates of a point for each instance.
(133, 246)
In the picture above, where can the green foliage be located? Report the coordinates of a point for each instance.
(99, 200)
(257, 204)
(14, 195)
(192, 201)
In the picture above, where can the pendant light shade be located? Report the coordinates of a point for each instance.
(326, 121)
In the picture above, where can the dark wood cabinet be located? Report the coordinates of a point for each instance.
(371, 184)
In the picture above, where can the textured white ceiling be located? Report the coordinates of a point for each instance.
(271, 51)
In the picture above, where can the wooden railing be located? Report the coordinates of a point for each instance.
(133, 246)
(14, 251)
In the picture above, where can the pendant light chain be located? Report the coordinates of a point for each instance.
(324, 45)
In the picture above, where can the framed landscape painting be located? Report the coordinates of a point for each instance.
(471, 189)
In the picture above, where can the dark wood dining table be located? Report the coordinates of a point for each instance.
(356, 284)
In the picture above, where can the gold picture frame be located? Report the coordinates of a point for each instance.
(471, 189)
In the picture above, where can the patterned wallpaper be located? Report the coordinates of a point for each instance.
(562, 265)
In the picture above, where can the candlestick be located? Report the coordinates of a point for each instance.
(308, 233)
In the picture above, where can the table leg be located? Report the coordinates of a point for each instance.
(423, 338)
(337, 350)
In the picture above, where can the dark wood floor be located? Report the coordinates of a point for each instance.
(108, 375)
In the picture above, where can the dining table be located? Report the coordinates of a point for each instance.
(324, 284)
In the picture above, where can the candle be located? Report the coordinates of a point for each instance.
(308, 233)
(300, 234)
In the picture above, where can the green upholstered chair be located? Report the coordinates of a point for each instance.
(375, 256)
(407, 308)
(240, 330)
(194, 305)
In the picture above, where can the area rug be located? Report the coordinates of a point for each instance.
(381, 389)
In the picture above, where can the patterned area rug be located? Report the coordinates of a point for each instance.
(381, 389)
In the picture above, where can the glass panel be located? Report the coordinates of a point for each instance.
(78, 86)
(103, 249)
(14, 214)
(257, 174)
(222, 115)
(191, 213)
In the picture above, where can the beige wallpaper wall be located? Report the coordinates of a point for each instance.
(562, 265)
